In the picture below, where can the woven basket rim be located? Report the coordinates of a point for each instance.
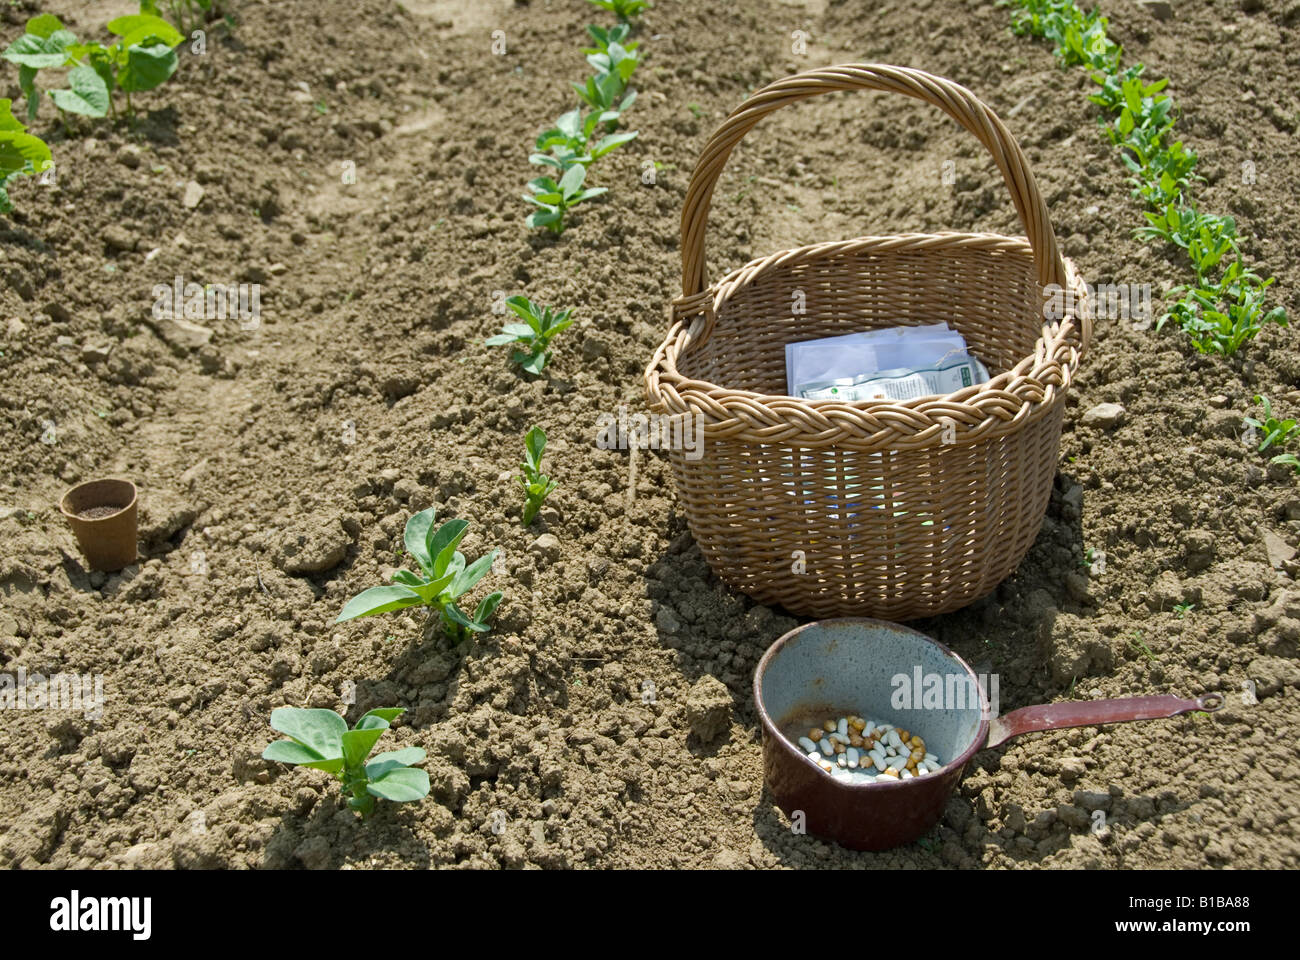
(1004, 402)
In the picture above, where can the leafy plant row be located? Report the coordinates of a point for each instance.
(591, 130)
(320, 739)
(1226, 305)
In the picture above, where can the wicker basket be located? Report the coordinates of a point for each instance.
(871, 508)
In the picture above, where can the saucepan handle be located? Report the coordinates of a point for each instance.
(1087, 713)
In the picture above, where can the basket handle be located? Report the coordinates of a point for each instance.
(952, 98)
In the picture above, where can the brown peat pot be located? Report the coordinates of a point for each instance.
(102, 514)
(887, 673)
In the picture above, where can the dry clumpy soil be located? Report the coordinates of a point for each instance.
(607, 719)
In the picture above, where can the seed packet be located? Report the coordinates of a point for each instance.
(895, 363)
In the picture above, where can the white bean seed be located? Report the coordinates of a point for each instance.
(808, 745)
(825, 745)
(906, 775)
(853, 755)
(844, 726)
(897, 763)
(815, 757)
(931, 758)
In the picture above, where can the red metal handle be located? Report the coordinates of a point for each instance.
(1087, 713)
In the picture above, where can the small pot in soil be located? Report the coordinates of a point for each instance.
(103, 516)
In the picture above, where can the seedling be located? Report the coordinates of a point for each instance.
(540, 325)
(143, 58)
(568, 142)
(1181, 610)
(22, 154)
(1139, 646)
(554, 200)
(1276, 432)
(623, 9)
(615, 60)
(602, 94)
(441, 580)
(320, 739)
(537, 486)
(602, 38)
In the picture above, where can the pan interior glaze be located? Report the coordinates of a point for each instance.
(869, 668)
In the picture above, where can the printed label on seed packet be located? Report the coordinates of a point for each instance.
(955, 374)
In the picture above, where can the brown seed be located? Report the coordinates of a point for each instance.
(911, 764)
(891, 773)
(829, 726)
(916, 742)
(902, 735)
(855, 740)
(815, 734)
(840, 747)
(858, 724)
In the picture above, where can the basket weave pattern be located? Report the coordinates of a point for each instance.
(874, 508)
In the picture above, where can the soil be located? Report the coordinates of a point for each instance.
(278, 460)
(99, 513)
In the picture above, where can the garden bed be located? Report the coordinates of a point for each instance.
(277, 465)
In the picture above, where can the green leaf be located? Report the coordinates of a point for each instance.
(37, 52)
(44, 25)
(22, 152)
(7, 119)
(535, 444)
(392, 760)
(443, 545)
(611, 142)
(139, 27)
(291, 751)
(587, 195)
(379, 718)
(416, 538)
(472, 574)
(544, 218)
(88, 95)
(379, 600)
(357, 744)
(571, 182)
(534, 363)
(147, 66)
(488, 606)
(400, 785)
(321, 730)
(407, 578)
(570, 124)
(502, 338)
(456, 615)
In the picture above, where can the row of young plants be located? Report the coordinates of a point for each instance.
(142, 57)
(592, 129)
(1225, 306)
(320, 739)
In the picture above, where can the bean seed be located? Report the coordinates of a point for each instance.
(815, 734)
(808, 745)
(826, 747)
(840, 747)
(829, 726)
(842, 760)
(844, 726)
(855, 740)
(907, 774)
(853, 756)
(858, 724)
(931, 758)
(897, 763)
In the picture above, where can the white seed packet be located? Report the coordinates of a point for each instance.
(895, 363)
